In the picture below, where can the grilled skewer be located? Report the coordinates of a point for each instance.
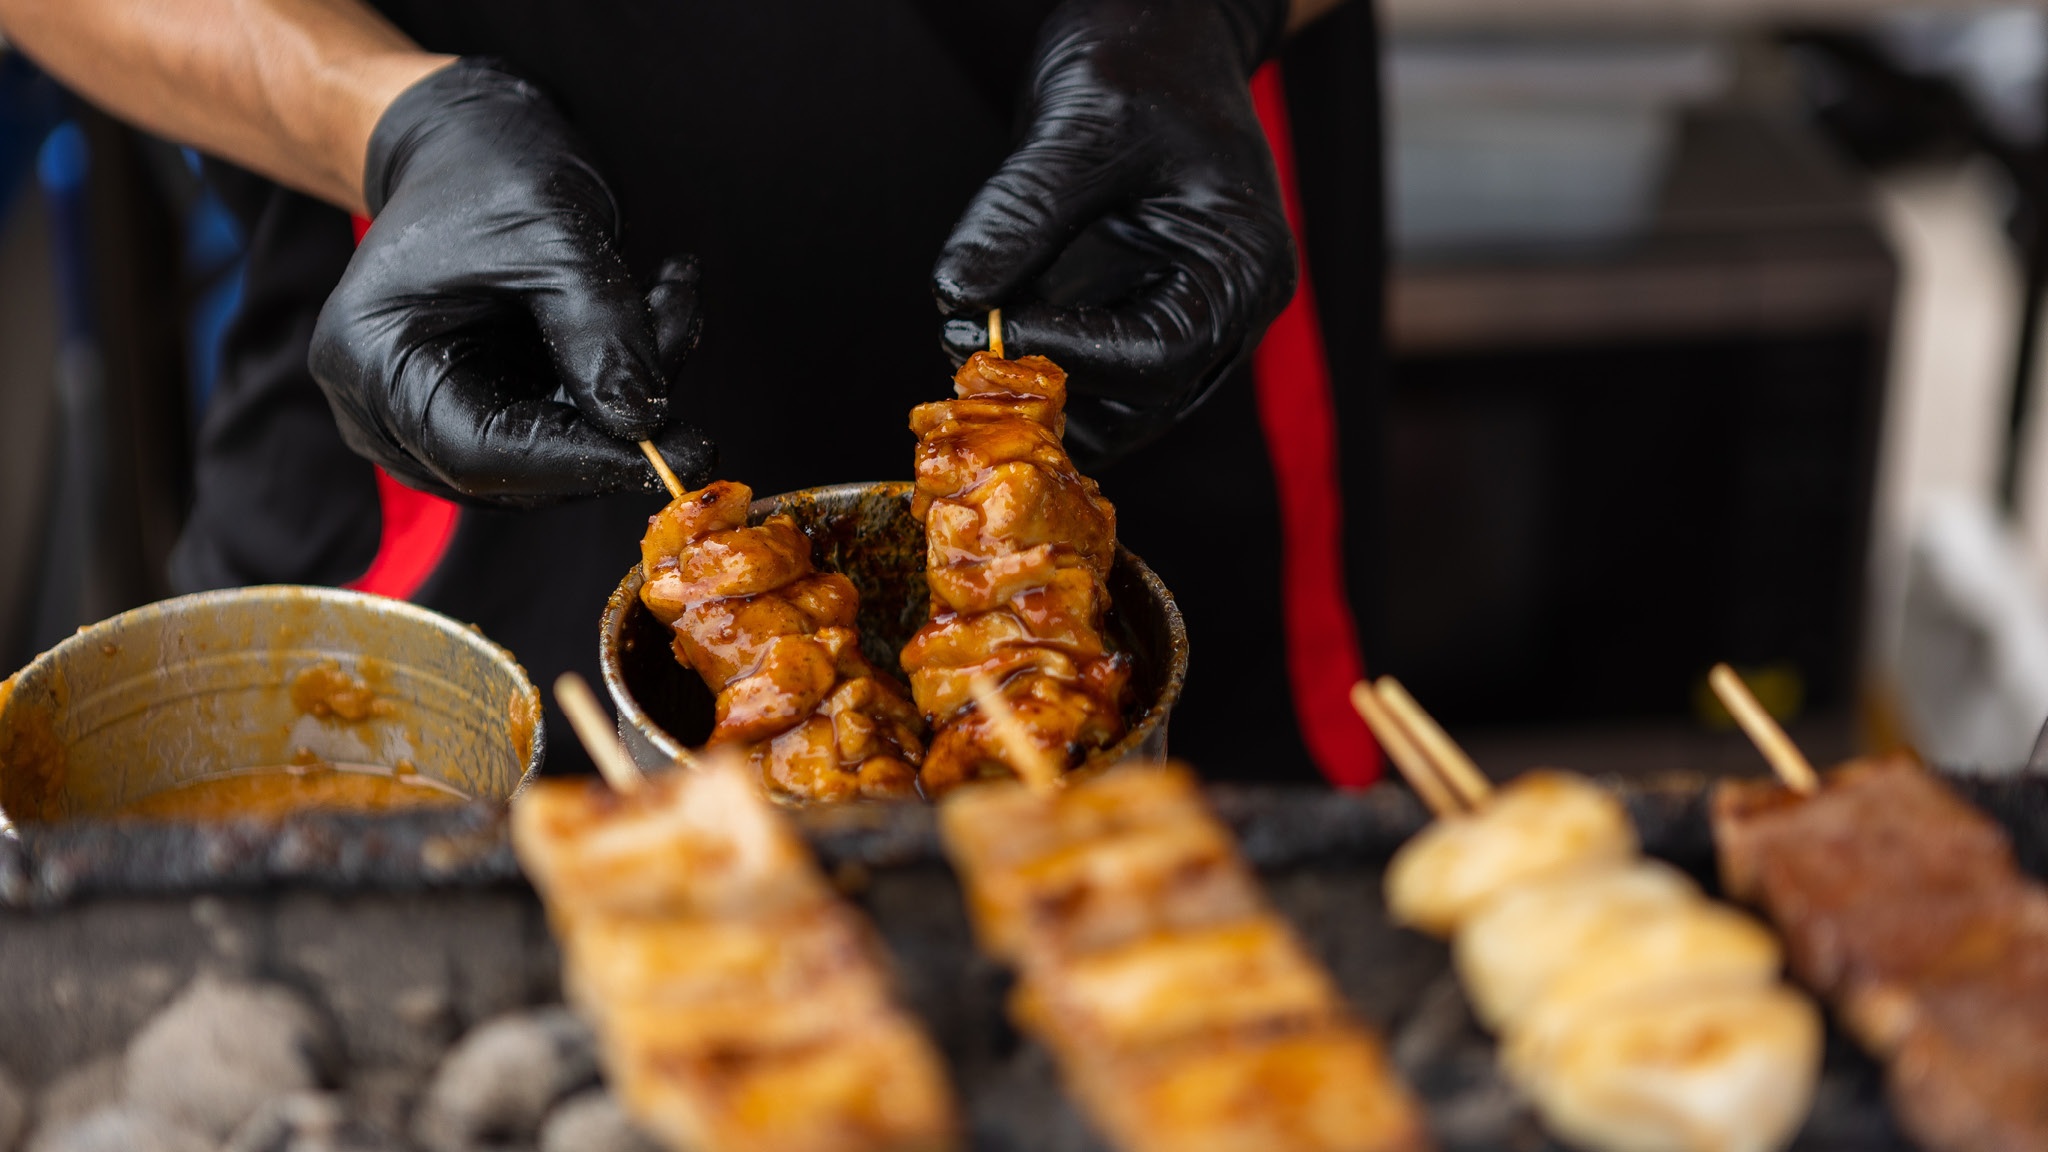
(1638, 1015)
(739, 1005)
(1902, 905)
(775, 639)
(1018, 547)
(1183, 1012)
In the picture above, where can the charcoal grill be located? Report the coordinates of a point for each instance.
(358, 909)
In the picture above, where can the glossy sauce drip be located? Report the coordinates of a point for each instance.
(274, 793)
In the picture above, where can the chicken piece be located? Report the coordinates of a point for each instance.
(775, 641)
(823, 952)
(1201, 985)
(1132, 852)
(1508, 952)
(1543, 823)
(739, 1006)
(1184, 1013)
(1018, 548)
(880, 1089)
(1323, 1089)
(1717, 1069)
(681, 844)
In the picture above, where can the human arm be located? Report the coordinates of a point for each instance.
(287, 88)
(492, 277)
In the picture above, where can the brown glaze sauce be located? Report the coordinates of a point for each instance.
(328, 691)
(274, 793)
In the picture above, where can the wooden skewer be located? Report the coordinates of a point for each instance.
(1030, 761)
(1456, 768)
(594, 728)
(995, 332)
(661, 469)
(1413, 765)
(1785, 757)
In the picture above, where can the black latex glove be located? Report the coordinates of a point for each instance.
(1136, 235)
(487, 342)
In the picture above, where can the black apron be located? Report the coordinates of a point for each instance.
(814, 157)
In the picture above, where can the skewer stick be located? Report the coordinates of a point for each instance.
(661, 469)
(1414, 766)
(1785, 757)
(995, 333)
(594, 728)
(1030, 761)
(1456, 768)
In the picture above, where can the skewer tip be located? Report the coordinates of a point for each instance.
(593, 728)
(995, 333)
(1763, 730)
(661, 469)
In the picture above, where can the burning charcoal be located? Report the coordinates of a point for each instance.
(125, 1128)
(221, 1049)
(13, 1112)
(498, 1081)
(593, 1122)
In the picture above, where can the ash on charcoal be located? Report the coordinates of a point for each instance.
(382, 1098)
(123, 1128)
(403, 975)
(593, 1122)
(223, 1048)
(499, 1081)
(305, 1122)
(13, 1112)
(79, 1092)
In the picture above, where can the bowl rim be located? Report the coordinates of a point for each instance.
(345, 598)
(627, 594)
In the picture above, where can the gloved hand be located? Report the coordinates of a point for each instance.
(1136, 235)
(487, 342)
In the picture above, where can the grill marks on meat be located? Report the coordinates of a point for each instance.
(774, 638)
(1182, 1010)
(1018, 546)
(739, 1005)
(1903, 904)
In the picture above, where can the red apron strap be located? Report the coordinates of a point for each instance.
(1299, 420)
(417, 528)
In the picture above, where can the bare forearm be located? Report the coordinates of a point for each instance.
(288, 88)
(1301, 13)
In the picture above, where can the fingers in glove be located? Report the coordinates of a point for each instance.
(480, 428)
(1210, 282)
(1058, 180)
(600, 334)
(677, 319)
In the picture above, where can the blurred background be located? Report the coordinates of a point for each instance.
(1714, 336)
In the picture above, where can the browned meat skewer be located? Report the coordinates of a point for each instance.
(774, 638)
(740, 1006)
(1182, 1010)
(1902, 904)
(1019, 546)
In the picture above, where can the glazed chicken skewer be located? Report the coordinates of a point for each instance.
(740, 1006)
(1018, 552)
(1637, 1014)
(776, 642)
